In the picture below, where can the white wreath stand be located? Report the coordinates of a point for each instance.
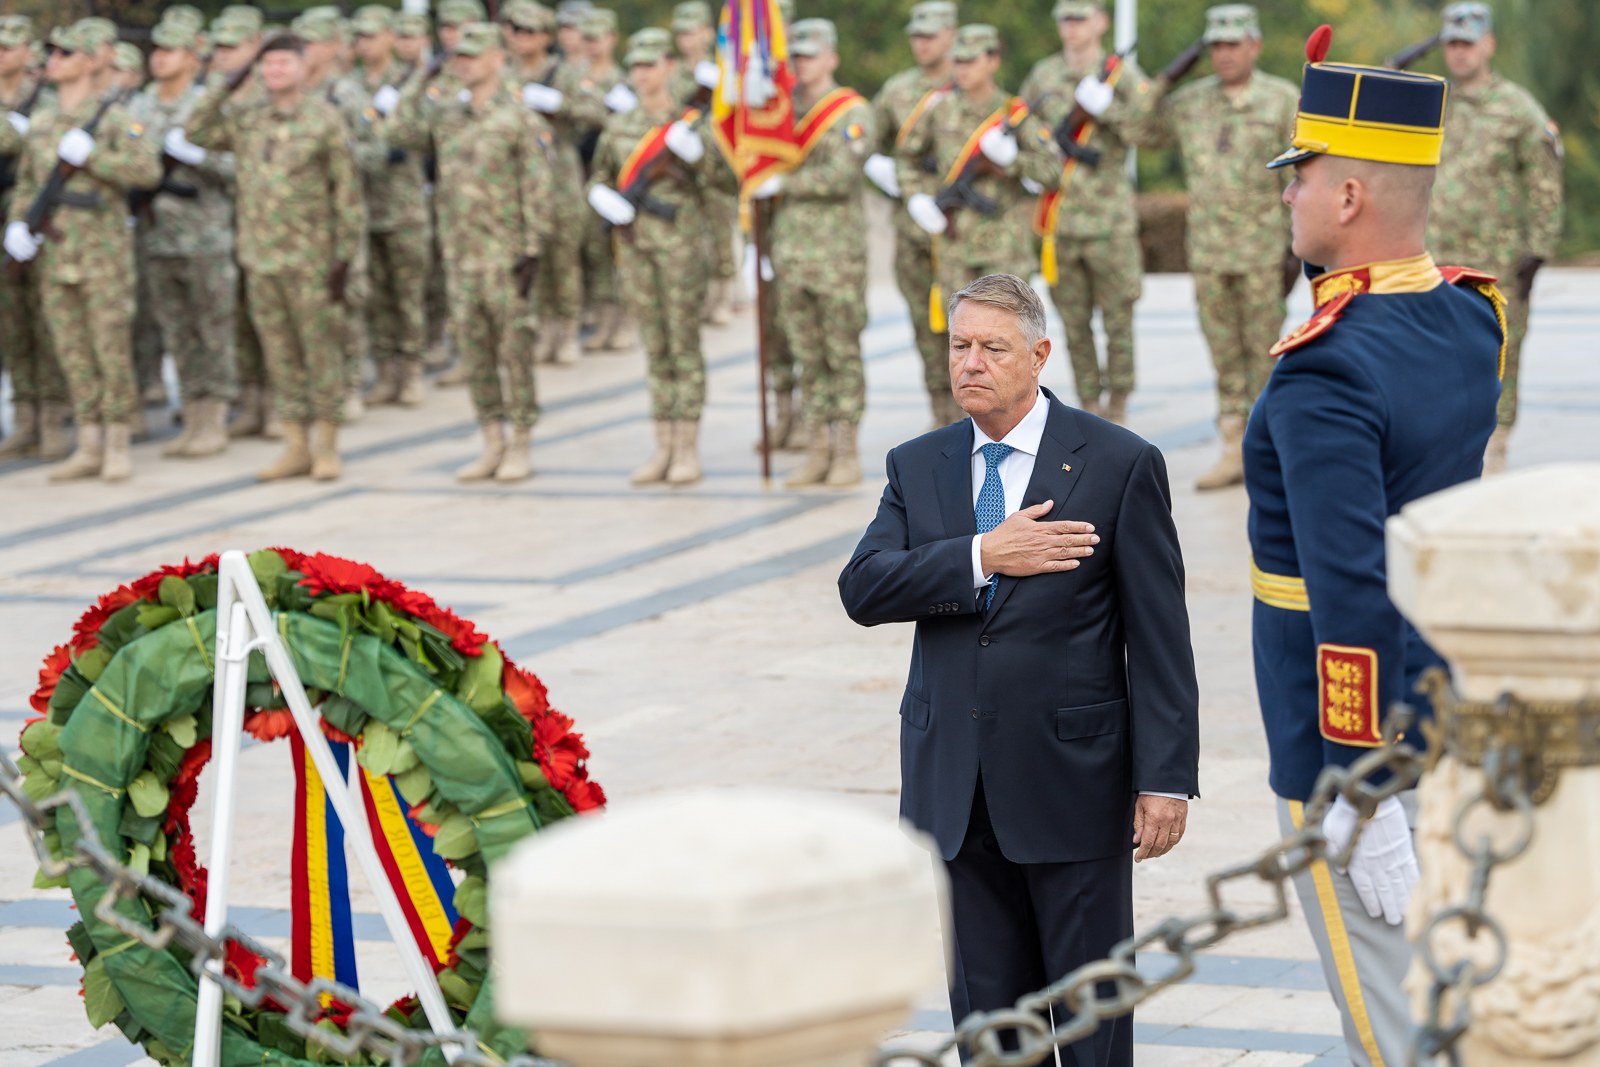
(244, 624)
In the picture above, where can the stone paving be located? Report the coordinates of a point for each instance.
(696, 634)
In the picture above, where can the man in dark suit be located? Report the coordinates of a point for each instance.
(1050, 722)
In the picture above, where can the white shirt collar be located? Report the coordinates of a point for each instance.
(1025, 435)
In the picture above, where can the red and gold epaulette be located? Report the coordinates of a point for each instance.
(1467, 276)
(1484, 282)
(1314, 327)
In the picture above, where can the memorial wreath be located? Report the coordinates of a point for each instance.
(461, 743)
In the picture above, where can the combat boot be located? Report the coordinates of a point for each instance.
(174, 448)
(1230, 465)
(154, 395)
(655, 468)
(716, 308)
(87, 458)
(271, 421)
(494, 450)
(605, 324)
(136, 424)
(517, 464)
(250, 417)
(324, 451)
(54, 445)
(544, 348)
(438, 356)
(411, 393)
(1494, 457)
(783, 423)
(24, 439)
(567, 351)
(355, 408)
(815, 468)
(1117, 409)
(456, 374)
(296, 458)
(210, 428)
(386, 390)
(117, 464)
(845, 468)
(685, 468)
(623, 335)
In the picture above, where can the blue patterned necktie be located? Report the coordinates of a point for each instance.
(991, 510)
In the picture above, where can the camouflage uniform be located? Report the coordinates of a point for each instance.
(560, 283)
(298, 212)
(722, 207)
(583, 104)
(1097, 231)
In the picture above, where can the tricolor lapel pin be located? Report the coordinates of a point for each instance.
(1066, 466)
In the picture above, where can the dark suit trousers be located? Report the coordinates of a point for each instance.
(1021, 926)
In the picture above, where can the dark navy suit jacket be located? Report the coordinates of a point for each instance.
(1075, 690)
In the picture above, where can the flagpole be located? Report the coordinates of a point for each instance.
(761, 338)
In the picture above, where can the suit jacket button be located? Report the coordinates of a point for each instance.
(984, 640)
(974, 713)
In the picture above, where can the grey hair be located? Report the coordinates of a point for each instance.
(1008, 293)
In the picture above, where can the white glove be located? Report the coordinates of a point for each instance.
(749, 270)
(20, 244)
(178, 147)
(19, 122)
(879, 168)
(74, 147)
(684, 142)
(1384, 865)
(620, 98)
(1095, 95)
(706, 74)
(999, 146)
(542, 98)
(926, 213)
(385, 99)
(1033, 187)
(768, 189)
(611, 205)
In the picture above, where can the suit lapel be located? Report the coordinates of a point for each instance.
(952, 480)
(1056, 471)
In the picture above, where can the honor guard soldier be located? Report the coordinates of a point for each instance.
(896, 111)
(1387, 394)
(1093, 227)
(452, 15)
(695, 35)
(1238, 227)
(128, 65)
(1497, 203)
(602, 90)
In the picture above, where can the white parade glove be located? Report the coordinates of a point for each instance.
(926, 213)
(768, 189)
(20, 244)
(1095, 95)
(611, 205)
(464, 96)
(178, 147)
(19, 122)
(385, 100)
(1032, 186)
(74, 147)
(707, 74)
(749, 270)
(999, 146)
(542, 98)
(620, 98)
(879, 168)
(1384, 864)
(684, 142)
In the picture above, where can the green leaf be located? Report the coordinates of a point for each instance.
(414, 784)
(158, 847)
(162, 1054)
(274, 1033)
(69, 690)
(455, 838)
(205, 591)
(479, 688)
(551, 806)
(379, 746)
(100, 997)
(27, 764)
(42, 740)
(39, 785)
(52, 844)
(163, 756)
(149, 796)
(379, 619)
(82, 944)
(405, 757)
(472, 966)
(140, 828)
(456, 989)
(267, 566)
(292, 596)
(511, 728)
(434, 811)
(157, 617)
(477, 940)
(174, 592)
(41, 882)
(472, 901)
(92, 662)
(123, 626)
(185, 731)
(139, 859)
(345, 714)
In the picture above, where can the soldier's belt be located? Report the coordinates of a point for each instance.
(90, 200)
(1278, 590)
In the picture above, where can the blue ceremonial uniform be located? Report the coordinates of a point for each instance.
(1387, 394)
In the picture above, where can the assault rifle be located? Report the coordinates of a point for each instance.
(1067, 130)
(8, 164)
(54, 192)
(1403, 59)
(962, 193)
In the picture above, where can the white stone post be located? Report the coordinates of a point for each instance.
(724, 928)
(1502, 577)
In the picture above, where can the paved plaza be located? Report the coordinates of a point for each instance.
(696, 635)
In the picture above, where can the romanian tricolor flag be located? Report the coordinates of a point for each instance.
(752, 114)
(321, 941)
(420, 878)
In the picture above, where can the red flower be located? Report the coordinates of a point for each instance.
(334, 734)
(241, 964)
(330, 574)
(269, 725)
(290, 557)
(189, 768)
(57, 661)
(584, 795)
(85, 633)
(149, 587)
(406, 1005)
(525, 691)
(338, 1013)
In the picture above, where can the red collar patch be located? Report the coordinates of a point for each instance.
(1316, 326)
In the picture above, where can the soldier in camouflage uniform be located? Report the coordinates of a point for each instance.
(899, 106)
(299, 228)
(413, 38)
(662, 260)
(1097, 230)
(40, 404)
(695, 35)
(85, 257)
(1497, 198)
(496, 165)
(597, 90)
(1238, 225)
(128, 65)
(818, 245)
(185, 230)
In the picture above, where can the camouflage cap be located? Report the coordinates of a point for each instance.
(812, 37)
(1467, 21)
(786, 9)
(184, 15)
(178, 34)
(649, 45)
(598, 21)
(371, 19)
(236, 25)
(320, 23)
(976, 39)
(477, 38)
(1075, 9)
(127, 57)
(409, 25)
(528, 15)
(931, 17)
(571, 12)
(95, 32)
(457, 12)
(691, 15)
(15, 30)
(1231, 23)
(245, 14)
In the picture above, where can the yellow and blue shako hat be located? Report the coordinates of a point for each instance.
(1387, 116)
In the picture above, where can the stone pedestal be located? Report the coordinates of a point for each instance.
(726, 928)
(1502, 577)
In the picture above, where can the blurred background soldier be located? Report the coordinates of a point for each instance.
(899, 106)
(413, 42)
(602, 91)
(569, 28)
(496, 165)
(649, 169)
(85, 269)
(452, 15)
(39, 398)
(818, 246)
(695, 35)
(299, 228)
(127, 75)
(1096, 231)
(128, 65)
(1497, 202)
(185, 230)
(1238, 226)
